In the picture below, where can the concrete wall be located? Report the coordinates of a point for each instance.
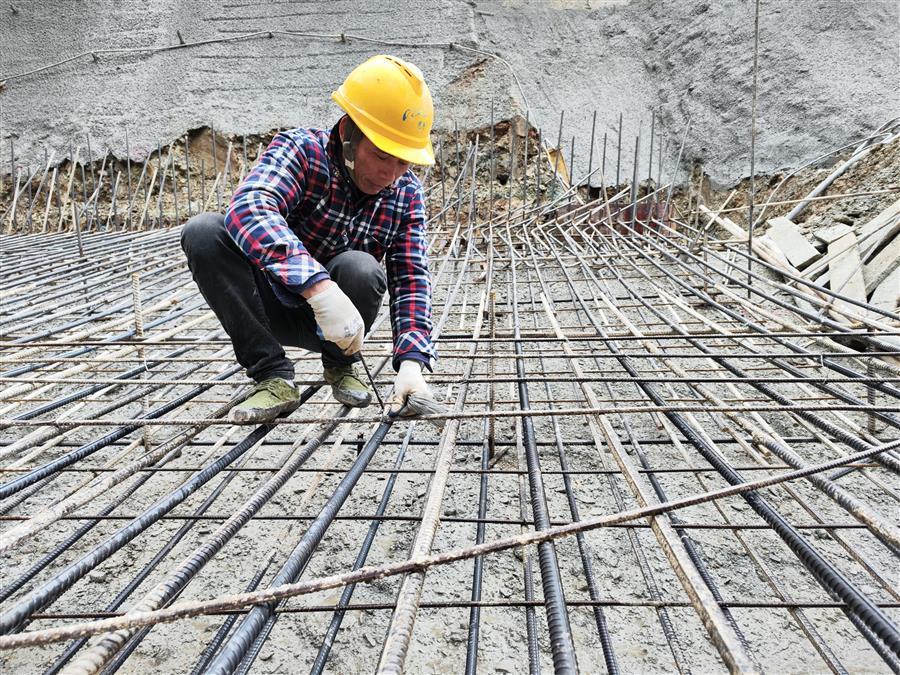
(828, 70)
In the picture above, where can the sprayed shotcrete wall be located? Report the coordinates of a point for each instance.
(828, 69)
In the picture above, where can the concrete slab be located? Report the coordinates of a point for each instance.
(882, 265)
(887, 295)
(826, 235)
(845, 273)
(792, 243)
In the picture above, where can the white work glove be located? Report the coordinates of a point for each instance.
(409, 381)
(338, 319)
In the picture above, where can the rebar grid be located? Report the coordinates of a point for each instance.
(594, 365)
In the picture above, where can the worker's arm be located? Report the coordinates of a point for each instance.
(255, 220)
(409, 283)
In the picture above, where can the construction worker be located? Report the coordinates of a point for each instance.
(296, 259)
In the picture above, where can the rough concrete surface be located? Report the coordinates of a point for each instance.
(828, 70)
(439, 639)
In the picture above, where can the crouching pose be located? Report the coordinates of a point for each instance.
(297, 258)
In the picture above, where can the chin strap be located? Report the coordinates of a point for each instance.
(349, 144)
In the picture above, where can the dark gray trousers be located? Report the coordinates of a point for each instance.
(258, 324)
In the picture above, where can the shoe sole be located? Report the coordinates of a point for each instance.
(349, 400)
(258, 414)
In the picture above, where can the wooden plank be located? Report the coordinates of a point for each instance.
(775, 251)
(885, 234)
(882, 265)
(554, 158)
(829, 234)
(729, 225)
(845, 270)
(887, 295)
(792, 243)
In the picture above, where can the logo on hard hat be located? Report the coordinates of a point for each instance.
(410, 114)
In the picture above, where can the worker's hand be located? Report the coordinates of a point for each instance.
(338, 319)
(409, 381)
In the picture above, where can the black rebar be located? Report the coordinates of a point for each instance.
(13, 486)
(879, 626)
(561, 642)
(139, 578)
(347, 594)
(14, 618)
(213, 646)
(241, 641)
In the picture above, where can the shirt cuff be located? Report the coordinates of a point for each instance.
(290, 297)
(422, 358)
(314, 279)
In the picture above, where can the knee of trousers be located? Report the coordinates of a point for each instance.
(358, 274)
(202, 234)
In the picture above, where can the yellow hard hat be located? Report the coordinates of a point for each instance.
(389, 101)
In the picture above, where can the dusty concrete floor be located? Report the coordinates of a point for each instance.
(439, 639)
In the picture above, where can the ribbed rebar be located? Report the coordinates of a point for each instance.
(624, 366)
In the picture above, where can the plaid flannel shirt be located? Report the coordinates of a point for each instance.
(298, 208)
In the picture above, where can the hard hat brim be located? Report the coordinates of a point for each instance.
(422, 156)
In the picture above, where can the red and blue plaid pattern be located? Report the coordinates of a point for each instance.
(297, 209)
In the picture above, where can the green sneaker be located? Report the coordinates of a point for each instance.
(267, 400)
(347, 387)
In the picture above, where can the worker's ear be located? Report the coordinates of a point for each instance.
(342, 127)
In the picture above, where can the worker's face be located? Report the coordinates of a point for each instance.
(375, 169)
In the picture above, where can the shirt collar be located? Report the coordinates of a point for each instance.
(335, 151)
